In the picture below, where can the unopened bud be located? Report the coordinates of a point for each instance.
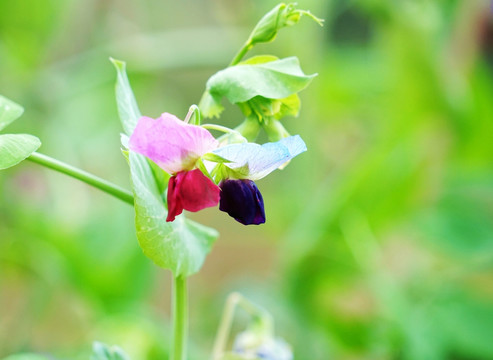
(281, 16)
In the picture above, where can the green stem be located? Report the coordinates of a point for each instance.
(246, 47)
(234, 300)
(225, 326)
(223, 129)
(84, 176)
(180, 318)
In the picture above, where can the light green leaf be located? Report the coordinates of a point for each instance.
(276, 79)
(127, 106)
(259, 59)
(16, 147)
(181, 245)
(9, 111)
(104, 352)
(26, 356)
(210, 106)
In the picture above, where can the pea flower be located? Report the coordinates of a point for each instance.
(250, 345)
(247, 162)
(176, 146)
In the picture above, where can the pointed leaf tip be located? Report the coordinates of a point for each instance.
(9, 111)
(15, 148)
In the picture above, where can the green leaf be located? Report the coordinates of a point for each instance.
(16, 147)
(277, 79)
(26, 356)
(210, 106)
(259, 59)
(104, 352)
(127, 106)
(181, 245)
(9, 111)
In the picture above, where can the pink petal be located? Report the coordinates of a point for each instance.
(192, 191)
(172, 144)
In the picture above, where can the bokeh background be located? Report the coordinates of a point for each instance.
(379, 239)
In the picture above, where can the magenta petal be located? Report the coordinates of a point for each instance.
(192, 191)
(175, 207)
(172, 144)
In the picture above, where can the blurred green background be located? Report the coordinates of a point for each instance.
(379, 240)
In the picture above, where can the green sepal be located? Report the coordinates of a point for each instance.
(9, 111)
(16, 147)
(221, 172)
(215, 158)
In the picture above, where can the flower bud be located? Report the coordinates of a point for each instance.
(274, 129)
(281, 16)
(249, 128)
(249, 345)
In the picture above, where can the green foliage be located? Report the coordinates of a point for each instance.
(9, 111)
(105, 352)
(127, 105)
(14, 148)
(399, 129)
(26, 357)
(276, 79)
(180, 246)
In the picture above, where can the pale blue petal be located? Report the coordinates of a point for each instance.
(254, 161)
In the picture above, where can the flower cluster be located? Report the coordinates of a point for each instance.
(205, 173)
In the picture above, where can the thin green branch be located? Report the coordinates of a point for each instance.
(84, 176)
(239, 56)
(234, 300)
(180, 318)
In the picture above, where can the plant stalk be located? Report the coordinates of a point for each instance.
(84, 176)
(180, 318)
(246, 47)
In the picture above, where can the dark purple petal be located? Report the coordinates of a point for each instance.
(242, 200)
